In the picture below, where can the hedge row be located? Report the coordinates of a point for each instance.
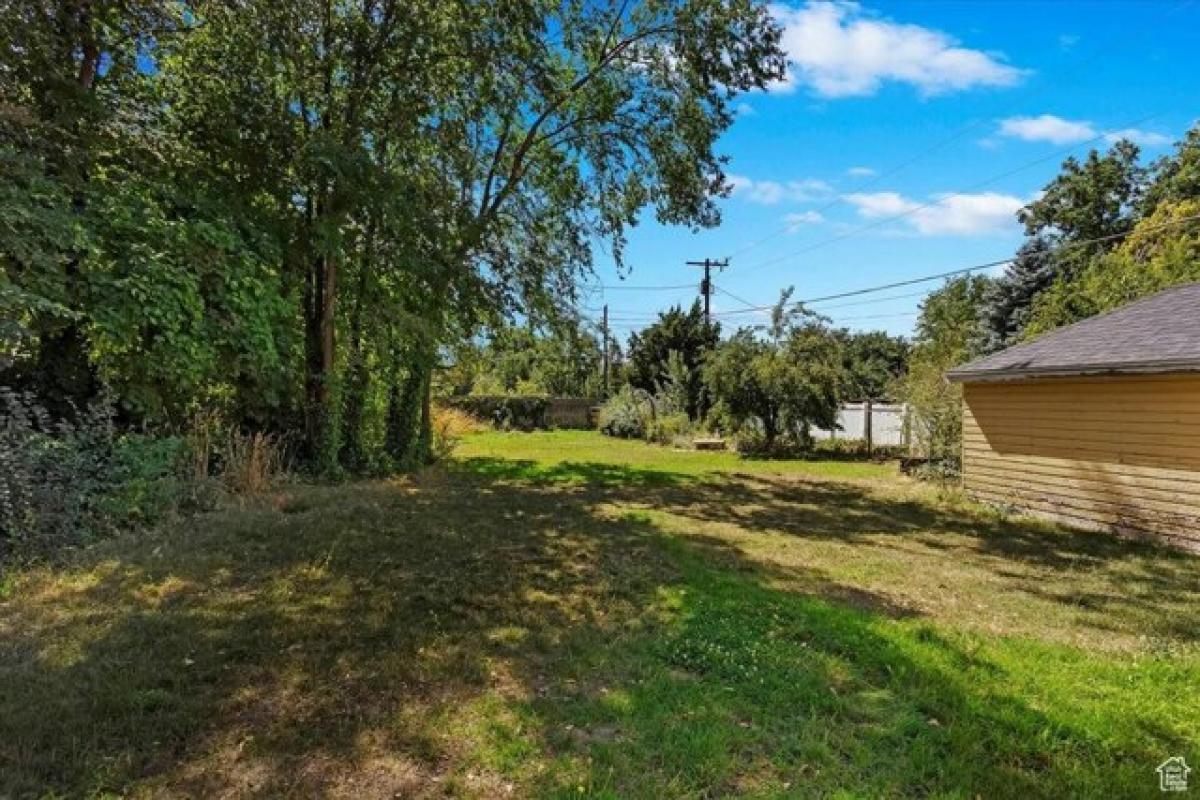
(525, 412)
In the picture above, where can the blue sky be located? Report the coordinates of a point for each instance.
(903, 140)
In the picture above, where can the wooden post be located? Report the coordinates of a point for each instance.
(604, 333)
(867, 424)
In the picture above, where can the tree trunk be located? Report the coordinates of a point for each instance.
(393, 438)
(770, 431)
(353, 453)
(410, 431)
(320, 291)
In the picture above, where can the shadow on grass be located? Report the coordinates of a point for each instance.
(587, 472)
(474, 634)
(1111, 582)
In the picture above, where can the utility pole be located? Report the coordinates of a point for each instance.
(604, 328)
(706, 286)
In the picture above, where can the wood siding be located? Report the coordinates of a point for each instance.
(1120, 454)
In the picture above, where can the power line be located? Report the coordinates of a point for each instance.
(620, 288)
(873, 300)
(631, 316)
(730, 294)
(959, 193)
(975, 267)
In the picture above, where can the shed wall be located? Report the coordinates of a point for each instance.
(1120, 454)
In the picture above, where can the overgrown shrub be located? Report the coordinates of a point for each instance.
(252, 462)
(449, 426)
(856, 448)
(627, 414)
(840, 448)
(670, 429)
(66, 482)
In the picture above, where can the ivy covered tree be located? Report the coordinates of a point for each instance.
(1148, 220)
(294, 210)
(1163, 250)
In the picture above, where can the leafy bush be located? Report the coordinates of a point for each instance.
(626, 415)
(65, 482)
(670, 428)
(840, 448)
(938, 470)
(856, 448)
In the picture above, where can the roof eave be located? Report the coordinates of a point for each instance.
(1015, 374)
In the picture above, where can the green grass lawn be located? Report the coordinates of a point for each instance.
(564, 615)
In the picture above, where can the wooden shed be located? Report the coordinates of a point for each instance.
(1097, 424)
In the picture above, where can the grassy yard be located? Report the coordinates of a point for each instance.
(564, 615)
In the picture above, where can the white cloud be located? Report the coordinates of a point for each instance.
(799, 219)
(769, 193)
(840, 50)
(880, 204)
(744, 110)
(1138, 136)
(1067, 41)
(1047, 128)
(945, 215)
(860, 172)
(1056, 130)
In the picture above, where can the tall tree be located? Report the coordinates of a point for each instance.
(676, 331)
(70, 117)
(291, 208)
(779, 381)
(872, 363)
(947, 335)
(1096, 199)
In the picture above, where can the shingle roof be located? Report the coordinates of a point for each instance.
(1159, 333)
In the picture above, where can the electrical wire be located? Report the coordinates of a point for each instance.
(942, 198)
(966, 270)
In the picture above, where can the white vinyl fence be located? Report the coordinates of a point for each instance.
(886, 421)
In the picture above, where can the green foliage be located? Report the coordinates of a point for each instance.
(627, 414)
(1152, 258)
(779, 385)
(290, 212)
(872, 364)
(661, 417)
(673, 392)
(672, 428)
(564, 361)
(1094, 199)
(1060, 276)
(946, 332)
(687, 336)
(67, 483)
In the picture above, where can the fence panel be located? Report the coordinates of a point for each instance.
(887, 424)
